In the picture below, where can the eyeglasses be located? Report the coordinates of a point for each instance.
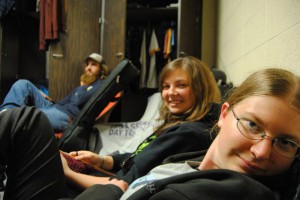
(282, 146)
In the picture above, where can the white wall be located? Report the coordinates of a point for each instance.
(255, 34)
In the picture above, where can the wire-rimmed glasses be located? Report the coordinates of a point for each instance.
(282, 146)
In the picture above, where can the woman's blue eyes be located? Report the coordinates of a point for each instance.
(251, 126)
(285, 142)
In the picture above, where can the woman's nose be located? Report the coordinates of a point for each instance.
(172, 91)
(262, 149)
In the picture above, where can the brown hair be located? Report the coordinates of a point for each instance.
(268, 82)
(204, 87)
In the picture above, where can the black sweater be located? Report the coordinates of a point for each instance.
(212, 184)
(185, 137)
(215, 184)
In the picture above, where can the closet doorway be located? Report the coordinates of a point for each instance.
(124, 27)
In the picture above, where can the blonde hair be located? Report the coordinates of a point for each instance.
(268, 82)
(204, 88)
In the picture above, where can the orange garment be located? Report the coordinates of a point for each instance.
(167, 44)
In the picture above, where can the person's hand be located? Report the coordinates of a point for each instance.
(45, 96)
(48, 98)
(65, 165)
(123, 185)
(88, 156)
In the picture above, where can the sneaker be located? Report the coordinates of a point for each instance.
(5, 109)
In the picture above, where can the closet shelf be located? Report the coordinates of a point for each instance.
(141, 14)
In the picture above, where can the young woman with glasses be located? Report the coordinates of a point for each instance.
(254, 156)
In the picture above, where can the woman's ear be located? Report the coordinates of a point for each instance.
(223, 114)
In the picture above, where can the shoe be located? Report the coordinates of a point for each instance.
(5, 109)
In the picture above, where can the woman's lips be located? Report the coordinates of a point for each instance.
(174, 102)
(251, 168)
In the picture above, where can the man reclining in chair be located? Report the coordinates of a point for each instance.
(24, 93)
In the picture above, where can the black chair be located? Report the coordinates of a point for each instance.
(221, 80)
(81, 133)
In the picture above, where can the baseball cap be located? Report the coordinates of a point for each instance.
(96, 57)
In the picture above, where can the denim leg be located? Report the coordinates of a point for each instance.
(29, 150)
(24, 93)
(58, 119)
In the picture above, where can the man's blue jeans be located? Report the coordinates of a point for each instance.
(24, 93)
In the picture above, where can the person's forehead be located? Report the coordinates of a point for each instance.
(90, 60)
(177, 74)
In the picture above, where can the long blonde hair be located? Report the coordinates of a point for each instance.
(204, 88)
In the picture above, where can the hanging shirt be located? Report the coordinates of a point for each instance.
(167, 44)
(143, 61)
(51, 21)
(152, 78)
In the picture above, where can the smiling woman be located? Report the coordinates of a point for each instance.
(195, 81)
(266, 146)
(177, 92)
(269, 143)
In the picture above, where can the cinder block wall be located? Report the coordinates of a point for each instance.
(254, 34)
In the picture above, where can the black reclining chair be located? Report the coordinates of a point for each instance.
(81, 135)
(221, 79)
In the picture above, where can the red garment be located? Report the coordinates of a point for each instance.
(77, 165)
(49, 21)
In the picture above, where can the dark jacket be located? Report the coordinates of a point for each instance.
(5, 6)
(213, 184)
(216, 184)
(208, 184)
(73, 103)
(185, 137)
